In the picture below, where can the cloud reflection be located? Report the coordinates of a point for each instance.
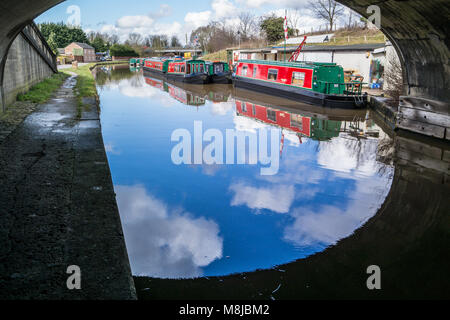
(278, 198)
(328, 224)
(162, 242)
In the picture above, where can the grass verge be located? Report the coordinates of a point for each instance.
(42, 91)
(85, 86)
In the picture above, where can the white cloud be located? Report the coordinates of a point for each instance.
(284, 3)
(278, 198)
(346, 154)
(224, 8)
(328, 224)
(164, 11)
(221, 108)
(195, 20)
(129, 22)
(243, 123)
(162, 242)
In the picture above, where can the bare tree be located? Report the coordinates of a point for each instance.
(293, 19)
(134, 39)
(328, 10)
(247, 24)
(393, 76)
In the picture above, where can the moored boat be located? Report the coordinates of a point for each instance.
(188, 71)
(219, 72)
(311, 82)
(157, 65)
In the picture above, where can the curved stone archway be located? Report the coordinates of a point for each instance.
(418, 29)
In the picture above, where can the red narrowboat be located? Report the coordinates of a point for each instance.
(311, 82)
(157, 65)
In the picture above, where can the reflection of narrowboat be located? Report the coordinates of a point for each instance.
(312, 127)
(196, 96)
(219, 72)
(311, 82)
(156, 83)
(276, 117)
(188, 71)
(185, 97)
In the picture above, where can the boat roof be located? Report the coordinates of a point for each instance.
(291, 64)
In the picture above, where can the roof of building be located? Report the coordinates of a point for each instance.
(358, 47)
(83, 45)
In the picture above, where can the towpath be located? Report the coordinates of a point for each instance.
(58, 207)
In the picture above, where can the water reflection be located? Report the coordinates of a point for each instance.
(175, 244)
(203, 220)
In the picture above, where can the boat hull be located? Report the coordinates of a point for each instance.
(222, 78)
(156, 71)
(195, 78)
(299, 94)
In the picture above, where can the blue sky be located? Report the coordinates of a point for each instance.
(173, 17)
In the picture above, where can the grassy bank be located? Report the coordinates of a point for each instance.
(217, 56)
(42, 91)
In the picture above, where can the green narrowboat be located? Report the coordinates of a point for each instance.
(219, 72)
(188, 71)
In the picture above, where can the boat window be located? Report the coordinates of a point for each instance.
(297, 121)
(202, 69)
(183, 68)
(272, 115)
(188, 68)
(218, 68)
(254, 109)
(272, 74)
(244, 107)
(244, 70)
(298, 78)
(255, 70)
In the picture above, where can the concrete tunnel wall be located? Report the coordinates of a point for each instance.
(418, 29)
(24, 68)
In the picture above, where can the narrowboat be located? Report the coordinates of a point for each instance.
(188, 71)
(311, 82)
(157, 65)
(219, 72)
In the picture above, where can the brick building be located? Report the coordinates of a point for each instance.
(81, 52)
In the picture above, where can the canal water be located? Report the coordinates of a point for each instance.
(209, 219)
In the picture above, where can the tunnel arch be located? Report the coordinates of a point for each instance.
(418, 30)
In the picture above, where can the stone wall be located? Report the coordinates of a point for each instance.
(25, 66)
